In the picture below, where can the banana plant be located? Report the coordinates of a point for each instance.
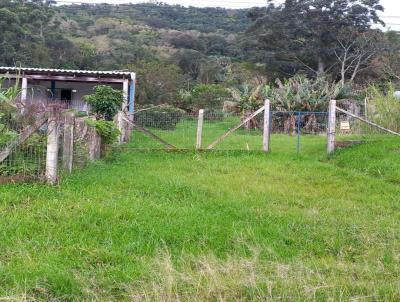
(249, 97)
(8, 95)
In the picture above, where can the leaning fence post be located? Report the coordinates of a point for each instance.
(68, 144)
(266, 134)
(200, 129)
(331, 126)
(52, 148)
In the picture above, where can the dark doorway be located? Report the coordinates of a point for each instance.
(66, 95)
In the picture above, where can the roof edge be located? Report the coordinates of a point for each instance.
(68, 71)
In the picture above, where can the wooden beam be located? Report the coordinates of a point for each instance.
(149, 133)
(368, 122)
(220, 139)
(67, 78)
(26, 133)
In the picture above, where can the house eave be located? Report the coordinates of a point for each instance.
(67, 74)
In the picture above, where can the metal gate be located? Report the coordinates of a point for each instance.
(289, 132)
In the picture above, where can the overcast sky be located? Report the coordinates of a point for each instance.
(390, 16)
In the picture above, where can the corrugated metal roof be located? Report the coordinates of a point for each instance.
(66, 71)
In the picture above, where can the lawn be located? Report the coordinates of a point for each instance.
(216, 226)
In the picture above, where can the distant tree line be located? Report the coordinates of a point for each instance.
(187, 57)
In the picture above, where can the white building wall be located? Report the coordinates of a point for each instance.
(40, 92)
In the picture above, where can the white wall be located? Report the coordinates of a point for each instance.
(39, 91)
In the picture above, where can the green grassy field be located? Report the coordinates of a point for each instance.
(217, 226)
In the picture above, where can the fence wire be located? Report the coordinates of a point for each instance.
(180, 130)
(352, 131)
(300, 132)
(26, 160)
(291, 132)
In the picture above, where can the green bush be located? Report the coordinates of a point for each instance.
(106, 129)
(105, 102)
(164, 117)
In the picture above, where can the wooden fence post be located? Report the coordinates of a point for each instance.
(266, 134)
(52, 148)
(68, 144)
(199, 129)
(331, 126)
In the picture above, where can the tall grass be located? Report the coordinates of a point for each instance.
(383, 107)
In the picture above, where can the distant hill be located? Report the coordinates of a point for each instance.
(104, 36)
(171, 48)
(164, 16)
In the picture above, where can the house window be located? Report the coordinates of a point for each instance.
(66, 95)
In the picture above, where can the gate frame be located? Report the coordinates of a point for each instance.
(265, 108)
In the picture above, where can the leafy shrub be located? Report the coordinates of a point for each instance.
(106, 129)
(105, 102)
(81, 114)
(6, 135)
(209, 96)
(165, 117)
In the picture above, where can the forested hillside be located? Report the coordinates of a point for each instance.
(184, 56)
(112, 36)
(170, 47)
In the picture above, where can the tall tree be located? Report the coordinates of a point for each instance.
(302, 34)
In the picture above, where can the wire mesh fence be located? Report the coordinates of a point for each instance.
(291, 132)
(180, 130)
(25, 151)
(353, 130)
(23, 160)
(299, 132)
(46, 145)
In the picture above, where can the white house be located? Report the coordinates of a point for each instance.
(67, 87)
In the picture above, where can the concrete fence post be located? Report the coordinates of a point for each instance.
(24, 91)
(93, 140)
(120, 125)
(266, 134)
(331, 126)
(200, 129)
(52, 148)
(68, 143)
